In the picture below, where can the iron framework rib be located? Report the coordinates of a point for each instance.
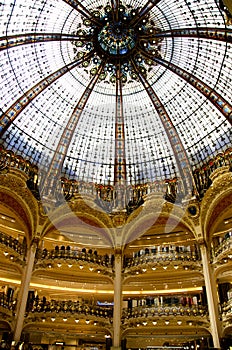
(53, 173)
(215, 98)
(181, 157)
(77, 5)
(207, 33)
(144, 11)
(22, 102)
(120, 162)
(8, 42)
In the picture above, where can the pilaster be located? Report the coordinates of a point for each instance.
(212, 297)
(24, 289)
(117, 301)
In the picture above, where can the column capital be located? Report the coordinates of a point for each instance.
(202, 242)
(118, 251)
(35, 242)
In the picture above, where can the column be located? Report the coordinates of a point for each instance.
(212, 298)
(23, 293)
(117, 301)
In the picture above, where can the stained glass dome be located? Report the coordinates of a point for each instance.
(104, 92)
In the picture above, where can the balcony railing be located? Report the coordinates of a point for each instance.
(106, 195)
(227, 312)
(202, 174)
(166, 316)
(223, 247)
(66, 253)
(8, 303)
(12, 243)
(68, 307)
(177, 310)
(161, 257)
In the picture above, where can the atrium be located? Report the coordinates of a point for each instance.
(116, 174)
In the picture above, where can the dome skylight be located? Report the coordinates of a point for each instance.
(103, 92)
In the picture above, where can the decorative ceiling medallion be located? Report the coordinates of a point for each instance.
(116, 38)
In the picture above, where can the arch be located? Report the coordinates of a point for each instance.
(81, 215)
(5, 326)
(15, 195)
(217, 199)
(156, 211)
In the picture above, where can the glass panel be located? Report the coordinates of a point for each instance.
(36, 131)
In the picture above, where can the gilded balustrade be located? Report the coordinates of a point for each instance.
(105, 194)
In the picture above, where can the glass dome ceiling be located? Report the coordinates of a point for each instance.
(103, 92)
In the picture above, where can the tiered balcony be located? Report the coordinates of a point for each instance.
(222, 254)
(12, 249)
(168, 315)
